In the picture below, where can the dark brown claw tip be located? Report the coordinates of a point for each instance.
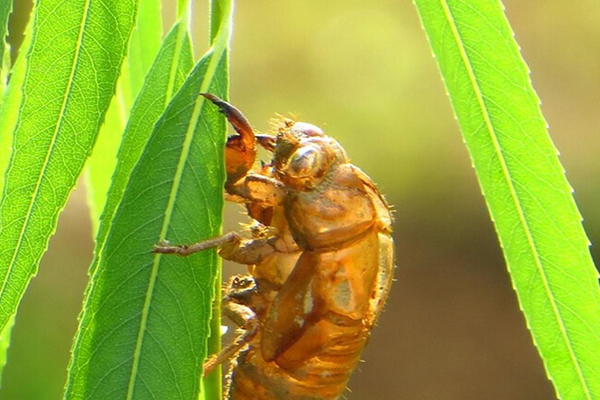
(211, 97)
(235, 118)
(224, 107)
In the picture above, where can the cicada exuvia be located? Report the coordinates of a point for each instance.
(320, 259)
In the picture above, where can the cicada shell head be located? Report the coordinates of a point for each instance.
(304, 156)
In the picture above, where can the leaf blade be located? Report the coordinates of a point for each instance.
(528, 196)
(166, 76)
(5, 344)
(9, 111)
(69, 79)
(5, 10)
(146, 41)
(143, 48)
(159, 318)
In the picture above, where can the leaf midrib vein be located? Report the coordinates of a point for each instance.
(513, 193)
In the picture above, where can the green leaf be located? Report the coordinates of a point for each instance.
(143, 47)
(70, 76)
(212, 384)
(5, 342)
(145, 42)
(182, 7)
(166, 76)
(5, 10)
(172, 66)
(9, 111)
(8, 119)
(145, 322)
(528, 196)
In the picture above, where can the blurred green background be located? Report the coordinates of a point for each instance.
(363, 71)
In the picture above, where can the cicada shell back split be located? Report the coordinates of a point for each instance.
(320, 259)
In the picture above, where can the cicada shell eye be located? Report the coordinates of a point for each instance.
(306, 162)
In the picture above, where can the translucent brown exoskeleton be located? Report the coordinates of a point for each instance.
(320, 259)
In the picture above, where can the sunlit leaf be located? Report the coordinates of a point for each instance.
(525, 188)
(145, 322)
(70, 77)
(166, 76)
(143, 47)
(172, 66)
(5, 343)
(5, 10)
(9, 111)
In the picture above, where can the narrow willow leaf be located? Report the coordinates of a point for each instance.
(166, 76)
(102, 162)
(172, 66)
(70, 77)
(144, 328)
(10, 103)
(145, 42)
(5, 343)
(8, 119)
(182, 7)
(5, 71)
(528, 196)
(212, 384)
(143, 47)
(5, 10)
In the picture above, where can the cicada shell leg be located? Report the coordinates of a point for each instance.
(186, 250)
(240, 152)
(231, 247)
(249, 325)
